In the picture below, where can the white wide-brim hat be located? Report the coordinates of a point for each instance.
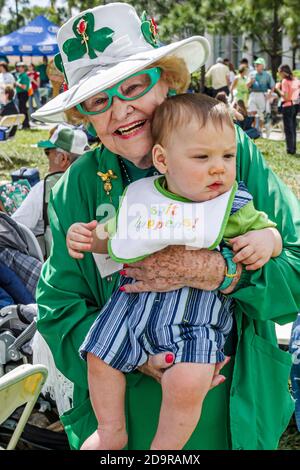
(103, 45)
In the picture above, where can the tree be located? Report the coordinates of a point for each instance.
(262, 20)
(292, 26)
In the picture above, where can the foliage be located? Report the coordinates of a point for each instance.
(296, 73)
(261, 20)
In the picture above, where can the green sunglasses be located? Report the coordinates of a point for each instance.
(129, 89)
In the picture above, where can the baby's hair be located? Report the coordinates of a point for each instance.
(178, 110)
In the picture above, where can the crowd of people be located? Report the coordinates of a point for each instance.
(162, 327)
(251, 93)
(21, 88)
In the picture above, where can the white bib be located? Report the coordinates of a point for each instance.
(150, 219)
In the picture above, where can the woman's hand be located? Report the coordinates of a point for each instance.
(80, 238)
(156, 365)
(255, 248)
(176, 267)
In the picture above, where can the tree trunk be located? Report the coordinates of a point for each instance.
(294, 52)
(202, 79)
(275, 41)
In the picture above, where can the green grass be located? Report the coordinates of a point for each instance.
(19, 152)
(290, 440)
(286, 166)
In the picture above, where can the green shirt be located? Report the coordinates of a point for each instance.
(42, 69)
(253, 407)
(23, 79)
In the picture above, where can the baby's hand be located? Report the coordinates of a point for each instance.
(255, 248)
(80, 238)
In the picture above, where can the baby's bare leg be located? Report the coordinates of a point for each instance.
(184, 388)
(107, 392)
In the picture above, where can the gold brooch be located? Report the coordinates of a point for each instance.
(106, 178)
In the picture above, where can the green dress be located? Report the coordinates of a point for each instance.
(251, 409)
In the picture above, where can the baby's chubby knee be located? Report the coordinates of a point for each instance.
(188, 381)
(95, 364)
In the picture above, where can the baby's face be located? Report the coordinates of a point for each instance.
(201, 162)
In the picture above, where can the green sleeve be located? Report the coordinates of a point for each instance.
(272, 292)
(61, 279)
(70, 292)
(245, 219)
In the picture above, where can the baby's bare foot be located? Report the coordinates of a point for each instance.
(106, 439)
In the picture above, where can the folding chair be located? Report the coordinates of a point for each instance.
(22, 385)
(12, 120)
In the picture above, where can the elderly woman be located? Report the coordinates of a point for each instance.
(116, 77)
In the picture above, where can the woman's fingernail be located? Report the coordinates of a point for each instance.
(123, 272)
(169, 358)
(122, 289)
(222, 380)
(125, 265)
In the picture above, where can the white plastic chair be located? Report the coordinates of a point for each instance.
(20, 386)
(12, 120)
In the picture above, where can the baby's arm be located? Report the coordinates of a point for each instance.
(255, 248)
(91, 237)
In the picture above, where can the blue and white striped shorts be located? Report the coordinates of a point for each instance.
(191, 323)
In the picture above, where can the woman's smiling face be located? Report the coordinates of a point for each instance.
(125, 127)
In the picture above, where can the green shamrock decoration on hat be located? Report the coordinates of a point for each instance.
(87, 40)
(149, 30)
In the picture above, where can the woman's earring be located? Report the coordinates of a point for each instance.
(171, 92)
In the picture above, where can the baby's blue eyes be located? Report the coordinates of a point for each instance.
(204, 157)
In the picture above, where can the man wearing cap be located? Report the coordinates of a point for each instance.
(22, 87)
(260, 84)
(219, 76)
(63, 147)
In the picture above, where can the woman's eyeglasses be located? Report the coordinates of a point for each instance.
(132, 88)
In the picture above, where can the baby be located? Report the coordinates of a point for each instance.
(195, 202)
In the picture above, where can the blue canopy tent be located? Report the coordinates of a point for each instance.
(37, 38)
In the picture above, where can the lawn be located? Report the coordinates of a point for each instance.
(21, 152)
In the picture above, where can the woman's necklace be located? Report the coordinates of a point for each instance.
(124, 170)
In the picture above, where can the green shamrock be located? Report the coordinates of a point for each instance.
(87, 40)
(149, 30)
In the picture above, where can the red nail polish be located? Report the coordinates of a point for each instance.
(169, 358)
(123, 272)
(125, 265)
(122, 289)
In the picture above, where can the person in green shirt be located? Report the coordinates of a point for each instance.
(22, 88)
(252, 407)
(42, 69)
